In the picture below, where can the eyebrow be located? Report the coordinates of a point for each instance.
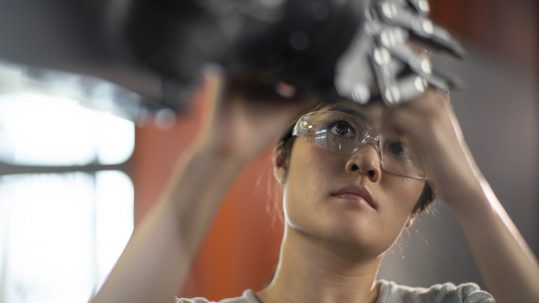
(349, 111)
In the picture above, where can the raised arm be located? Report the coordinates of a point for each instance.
(505, 262)
(156, 260)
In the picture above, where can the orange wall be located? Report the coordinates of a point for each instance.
(508, 29)
(242, 246)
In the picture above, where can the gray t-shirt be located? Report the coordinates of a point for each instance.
(391, 292)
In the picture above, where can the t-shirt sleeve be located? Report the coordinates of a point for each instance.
(193, 300)
(471, 293)
(440, 293)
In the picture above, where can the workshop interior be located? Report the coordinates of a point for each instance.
(98, 98)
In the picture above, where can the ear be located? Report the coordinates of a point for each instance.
(280, 165)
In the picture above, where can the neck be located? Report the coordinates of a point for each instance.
(313, 270)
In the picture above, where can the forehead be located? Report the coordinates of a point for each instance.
(372, 113)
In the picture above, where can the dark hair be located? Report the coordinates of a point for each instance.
(286, 142)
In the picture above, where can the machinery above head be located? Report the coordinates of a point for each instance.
(154, 50)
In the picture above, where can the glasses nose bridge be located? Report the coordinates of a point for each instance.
(366, 141)
(369, 139)
(366, 158)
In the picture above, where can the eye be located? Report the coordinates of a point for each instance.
(399, 150)
(342, 129)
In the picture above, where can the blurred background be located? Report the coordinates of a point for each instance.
(75, 182)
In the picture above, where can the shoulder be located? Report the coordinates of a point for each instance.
(392, 292)
(247, 297)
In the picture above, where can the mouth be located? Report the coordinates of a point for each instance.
(356, 194)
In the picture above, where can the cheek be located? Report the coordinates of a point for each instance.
(400, 196)
(403, 193)
(306, 185)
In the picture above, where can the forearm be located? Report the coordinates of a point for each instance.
(158, 256)
(505, 262)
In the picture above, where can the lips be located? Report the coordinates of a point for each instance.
(354, 191)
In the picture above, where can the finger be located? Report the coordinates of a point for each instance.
(214, 85)
(428, 102)
(211, 96)
(422, 112)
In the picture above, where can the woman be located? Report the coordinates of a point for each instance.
(350, 186)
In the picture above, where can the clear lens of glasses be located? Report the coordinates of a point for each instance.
(344, 134)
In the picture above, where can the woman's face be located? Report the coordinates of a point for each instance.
(347, 200)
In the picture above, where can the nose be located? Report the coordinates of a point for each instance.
(365, 161)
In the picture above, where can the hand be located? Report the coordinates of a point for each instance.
(239, 121)
(506, 263)
(430, 123)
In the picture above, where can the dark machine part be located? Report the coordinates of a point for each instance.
(266, 41)
(362, 50)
